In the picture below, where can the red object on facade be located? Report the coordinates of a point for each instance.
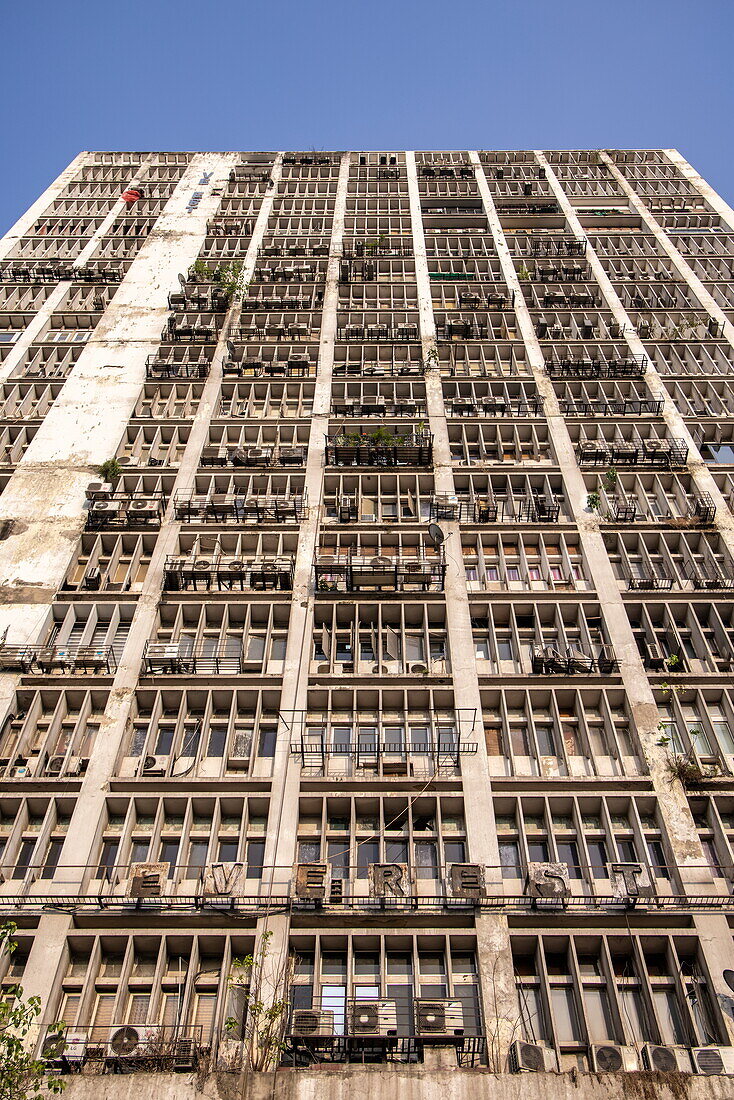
(131, 195)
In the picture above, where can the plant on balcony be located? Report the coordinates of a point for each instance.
(432, 361)
(383, 437)
(523, 273)
(22, 1077)
(610, 477)
(110, 470)
(685, 768)
(673, 663)
(263, 982)
(593, 501)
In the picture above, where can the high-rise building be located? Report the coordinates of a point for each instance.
(367, 604)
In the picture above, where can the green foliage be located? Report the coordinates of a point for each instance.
(265, 985)
(592, 502)
(523, 273)
(110, 470)
(673, 662)
(610, 477)
(22, 1077)
(227, 276)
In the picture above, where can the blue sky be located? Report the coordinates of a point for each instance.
(174, 74)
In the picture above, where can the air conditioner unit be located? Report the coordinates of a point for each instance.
(143, 507)
(21, 771)
(73, 765)
(126, 1041)
(654, 656)
(607, 1058)
(98, 490)
(105, 507)
(373, 1018)
(531, 1057)
(55, 765)
(434, 1019)
(713, 1060)
(666, 1059)
(60, 1047)
(154, 765)
(310, 1023)
(93, 579)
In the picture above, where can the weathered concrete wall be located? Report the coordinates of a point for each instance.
(400, 1083)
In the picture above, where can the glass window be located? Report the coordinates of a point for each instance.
(598, 1014)
(564, 1014)
(510, 859)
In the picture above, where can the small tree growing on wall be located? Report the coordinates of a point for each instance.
(263, 1005)
(22, 1077)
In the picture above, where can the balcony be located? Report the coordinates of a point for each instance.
(649, 581)
(550, 661)
(494, 406)
(633, 366)
(462, 330)
(123, 509)
(180, 659)
(257, 457)
(548, 244)
(446, 171)
(58, 659)
(708, 577)
(124, 1048)
(172, 365)
(377, 406)
(466, 509)
(192, 507)
(627, 407)
(381, 247)
(384, 334)
(661, 454)
(379, 448)
(54, 272)
(295, 366)
(702, 509)
(222, 573)
(355, 573)
(195, 331)
(621, 510)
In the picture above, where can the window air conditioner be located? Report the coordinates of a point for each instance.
(531, 1057)
(666, 1059)
(607, 1058)
(373, 1018)
(310, 1023)
(713, 1060)
(55, 765)
(434, 1019)
(20, 771)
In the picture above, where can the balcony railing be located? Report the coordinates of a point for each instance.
(566, 367)
(180, 658)
(380, 334)
(64, 659)
(352, 573)
(707, 576)
(226, 573)
(663, 454)
(550, 661)
(168, 366)
(253, 456)
(533, 509)
(54, 272)
(548, 244)
(359, 449)
(702, 508)
(377, 406)
(180, 330)
(296, 366)
(378, 248)
(192, 507)
(626, 407)
(124, 1047)
(462, 330)
(622, 510)
(495, 406)
(649, 582)
(121, 509)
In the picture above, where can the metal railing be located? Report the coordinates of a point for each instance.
(64, 659)
(549, 661)
(495, 406)
(181, 573)
(372, 334)
(664, 454)
(361, 449)
(592, 367)
(490, 509)
(257, 455)
(626, 407)
(351, 573)
(180, 658)
(126, 509)
(146, 1047)
(192, 507)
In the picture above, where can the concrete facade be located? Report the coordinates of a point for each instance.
(397, 647)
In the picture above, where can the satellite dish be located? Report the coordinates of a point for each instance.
(435, 533)
(729, 979)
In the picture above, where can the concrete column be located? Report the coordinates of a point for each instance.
(281, 840)
(83, 828)
(494, 955)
